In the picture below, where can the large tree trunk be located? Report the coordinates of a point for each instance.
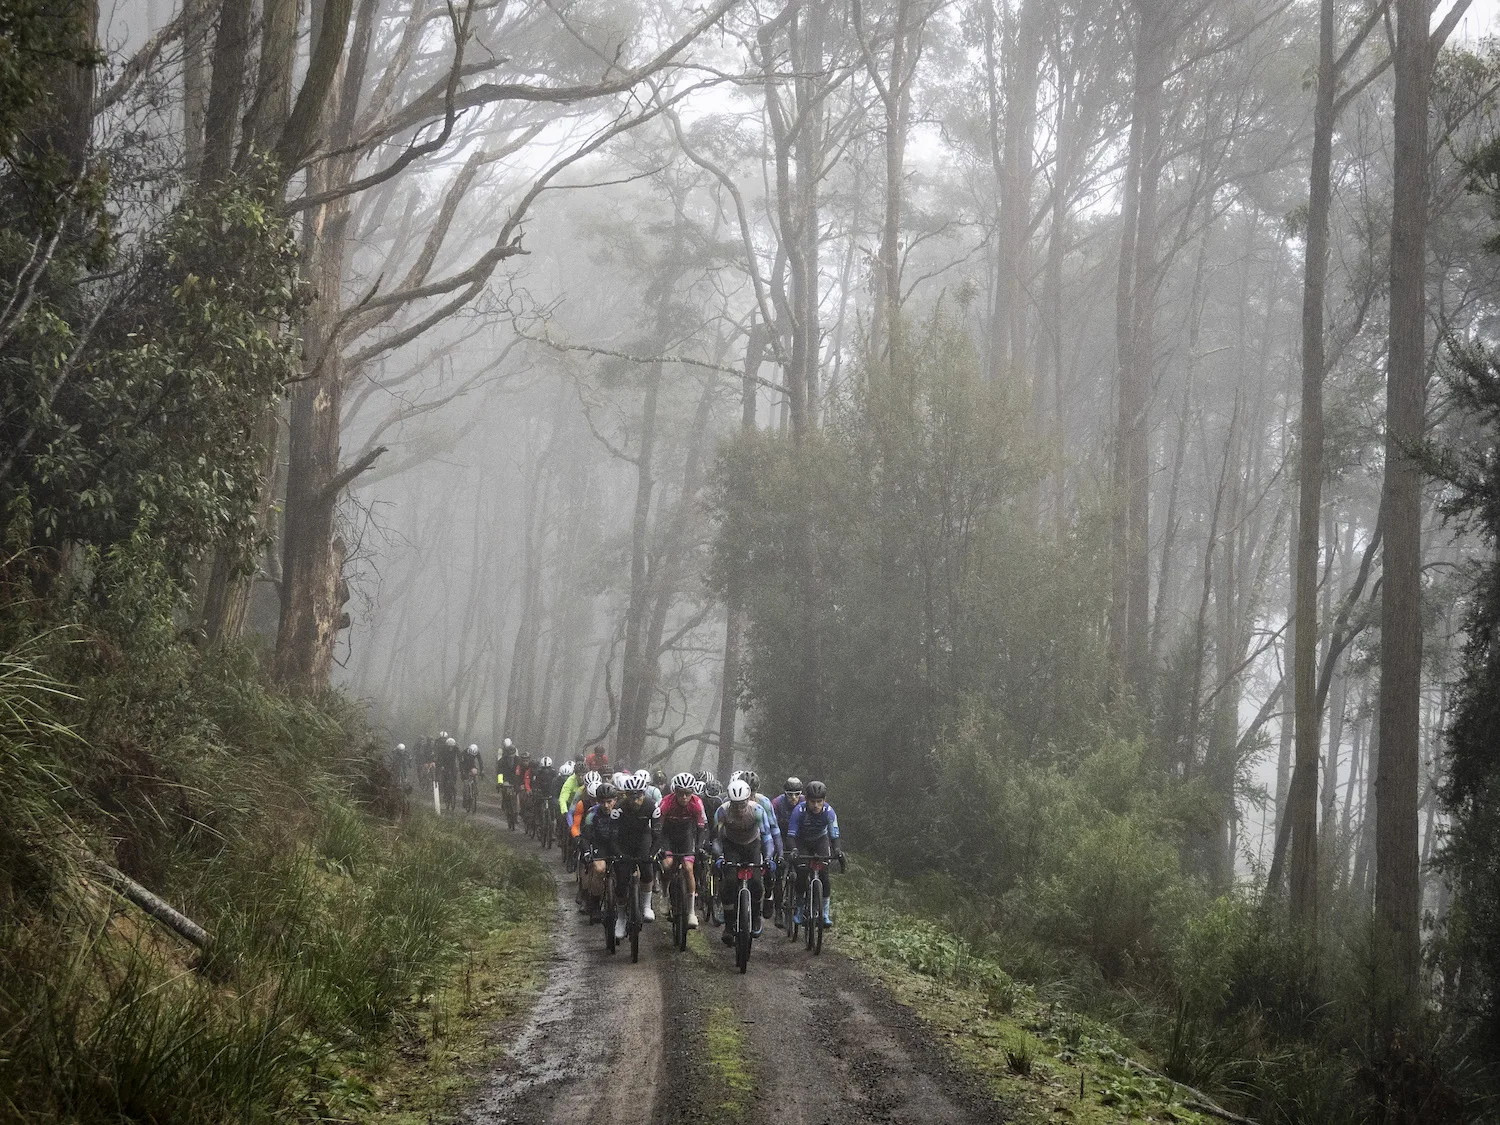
(1396, 884)
(1135, 299)
(311, 615)
(1302, 798)
(226, 90)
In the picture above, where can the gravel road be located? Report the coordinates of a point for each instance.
(683, 1037)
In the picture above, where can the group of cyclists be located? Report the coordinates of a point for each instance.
(440, 764)
(625, 834)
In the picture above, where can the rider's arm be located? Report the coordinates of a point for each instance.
(765, 833)
(794, 826)
(833, 825)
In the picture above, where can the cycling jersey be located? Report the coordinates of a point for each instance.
(598, 761)
(807, 826)
(540, 780)
(507, 767)
(743, 825)
(572, 787)
(634, 832)
(765, 803)
(471, 761)
(682, 822)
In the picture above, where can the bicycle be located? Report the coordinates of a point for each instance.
(633, 921)
(548, 826)
(508, 803)
(708, 888)
(681, 904)
(471, 794)
(811, 902)
(743, 920)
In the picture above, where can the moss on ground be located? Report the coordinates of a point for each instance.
(1033, 1056)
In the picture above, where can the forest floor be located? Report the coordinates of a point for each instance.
(800, 1040)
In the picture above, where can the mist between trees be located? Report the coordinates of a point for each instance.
(1065, 427)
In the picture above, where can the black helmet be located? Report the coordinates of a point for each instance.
(754, 780)
(605, 792)
(711, 788)
(793, 785)
(816, 791)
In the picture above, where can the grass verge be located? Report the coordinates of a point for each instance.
(1045, 1062)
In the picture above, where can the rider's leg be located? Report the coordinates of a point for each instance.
(648, 871)
(689, 865)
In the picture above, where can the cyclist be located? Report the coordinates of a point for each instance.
(447, 763)
(652, 789)
(781, 808)
(596, 829)
(712, 796)
(400, 765)
(543, 776)
(753, 780)
(558, 814)
(814, 829)
(470, 764)
(742, 834)
(632, 832)
(572, 786)
(682, 825)
(596, 759)
(505, 762)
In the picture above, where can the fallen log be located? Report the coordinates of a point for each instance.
(1198, 1101)
(158, 908)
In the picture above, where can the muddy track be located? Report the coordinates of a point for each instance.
(683, 1037)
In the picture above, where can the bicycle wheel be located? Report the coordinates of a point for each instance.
(635, 918)
(742, 930)
(789, 909)
(815, 919)
(679, 909)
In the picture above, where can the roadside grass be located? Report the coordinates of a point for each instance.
(1045, 1062)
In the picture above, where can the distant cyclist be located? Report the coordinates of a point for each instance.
(448, 768)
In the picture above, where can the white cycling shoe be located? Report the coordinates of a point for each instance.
(647, 914)
(620, 928)
(692, 920)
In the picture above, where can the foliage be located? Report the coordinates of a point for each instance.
(236, 803)
(934, 601)
(1470, 469)
(142, 415)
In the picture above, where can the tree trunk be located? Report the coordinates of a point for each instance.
(1302, 798)
(1396, 884)
(226, 90)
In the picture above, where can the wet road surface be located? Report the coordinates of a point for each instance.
(683, 1037)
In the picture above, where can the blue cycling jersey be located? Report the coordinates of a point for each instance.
(808, 825)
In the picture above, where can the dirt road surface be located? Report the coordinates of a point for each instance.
(683, 1037)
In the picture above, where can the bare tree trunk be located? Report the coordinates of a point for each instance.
(1302, 798)
(1396, 883)
(195, 82)
(226, 91)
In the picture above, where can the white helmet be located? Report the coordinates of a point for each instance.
(698, 788)
(592, 778)
(450, 742)
(473, 748)
(400, 747)
(545, 763)
(618, 780)
(644, 775)
(635, 783)
(569, 766)
(508, 744)
(565, 770)
(684, 781)
(592, 787)
(442, 734)
(739, 790)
